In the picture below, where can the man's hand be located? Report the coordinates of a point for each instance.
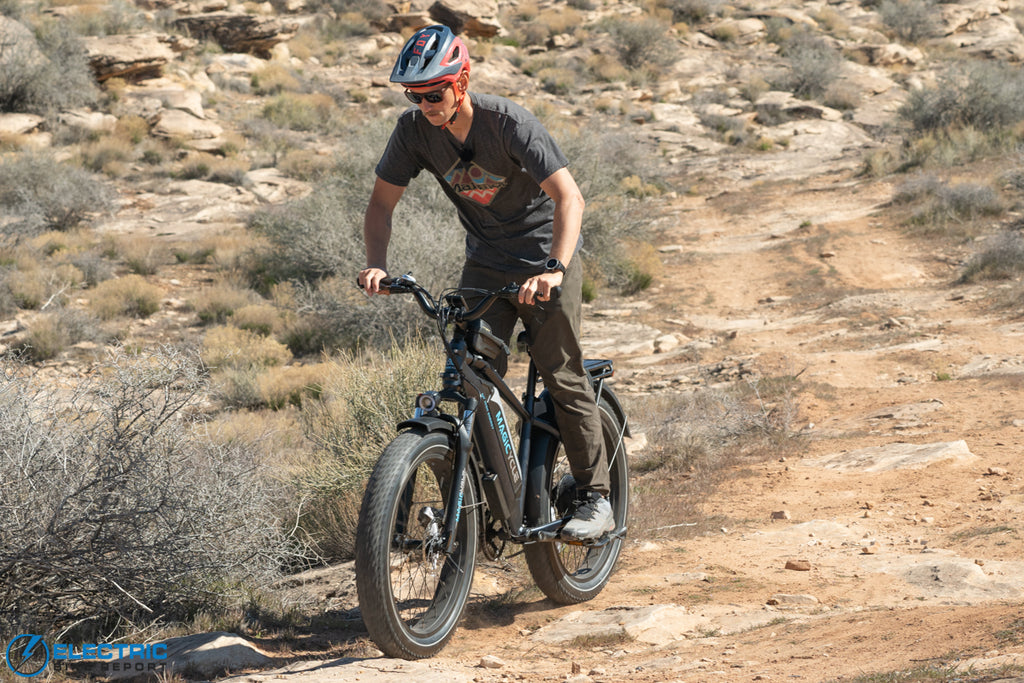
(538, 287)
(369, 279)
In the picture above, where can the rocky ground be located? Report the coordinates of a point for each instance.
(885, 537)
(887, 540)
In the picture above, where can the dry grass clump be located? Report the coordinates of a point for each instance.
(52, 333)
(290, 385)
(230, 347)
(363, 399)
(695, 439)
(940, 208)
(263, 319)
(314, 112)
(141, 253)
(129, 296)
(1001, 257)
(215, 304)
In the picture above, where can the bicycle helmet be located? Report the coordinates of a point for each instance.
(434, 55)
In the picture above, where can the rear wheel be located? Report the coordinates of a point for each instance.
(569, 573)
(411, 593)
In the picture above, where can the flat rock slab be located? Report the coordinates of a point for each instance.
(657, 625)
(942, 575)
(362, 670)
(896, 456)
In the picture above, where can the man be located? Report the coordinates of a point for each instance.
(522, 212)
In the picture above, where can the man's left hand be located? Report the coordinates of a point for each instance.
(538, 288)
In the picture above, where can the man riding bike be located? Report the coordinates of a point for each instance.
(522, 212)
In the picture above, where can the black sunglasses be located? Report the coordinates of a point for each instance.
(434, 96)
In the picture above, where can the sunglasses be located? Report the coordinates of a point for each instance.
(434, 96)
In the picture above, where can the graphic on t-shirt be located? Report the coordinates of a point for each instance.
(474, 182)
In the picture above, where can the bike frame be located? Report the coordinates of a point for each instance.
(467, 381)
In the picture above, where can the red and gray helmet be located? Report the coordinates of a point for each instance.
(434, 55)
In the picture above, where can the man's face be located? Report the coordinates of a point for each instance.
(438, 113)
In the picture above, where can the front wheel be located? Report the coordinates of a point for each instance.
(411, 592)
(569, 573)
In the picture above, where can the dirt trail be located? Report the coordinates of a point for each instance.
(898, 565)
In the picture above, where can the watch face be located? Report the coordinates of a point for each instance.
(554, 264)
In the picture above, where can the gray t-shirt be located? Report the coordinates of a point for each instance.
(493, 179)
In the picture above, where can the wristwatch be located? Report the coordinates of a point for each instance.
(554, 264)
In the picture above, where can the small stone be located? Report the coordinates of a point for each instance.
(827, 254)
(869, 550)
(997, 471)
(491, 662)
(799, 565)
(576, 668)
(781, 514)
(980, 563)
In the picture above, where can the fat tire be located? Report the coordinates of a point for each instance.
(570, 574)
(414, 626)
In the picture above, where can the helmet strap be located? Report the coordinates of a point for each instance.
(458, 106)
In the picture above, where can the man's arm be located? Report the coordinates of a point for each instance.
(568, 222)
(377, 233)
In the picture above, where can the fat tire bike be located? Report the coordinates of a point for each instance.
(452, 484)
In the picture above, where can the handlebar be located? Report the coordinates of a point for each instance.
(406, 284)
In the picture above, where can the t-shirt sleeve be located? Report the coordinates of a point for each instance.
(398, 165)
(535, 149)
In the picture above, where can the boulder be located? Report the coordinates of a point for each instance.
(176, 123)
(133, 57)
(475, 19)
(19, 124)
(236, 32)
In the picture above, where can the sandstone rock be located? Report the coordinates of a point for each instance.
(799, 565)
(893, 456)
(174, 123)
(236, 32)
(996, 37)
(788, 599)
(889, 54)
(132, 57)
(491, 662)
(19, 124)
(781, 514)
(204, 654)
(475, 18)
(93, 121)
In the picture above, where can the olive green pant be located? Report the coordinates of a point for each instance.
(554, 333)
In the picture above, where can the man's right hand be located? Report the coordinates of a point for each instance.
(369, 279)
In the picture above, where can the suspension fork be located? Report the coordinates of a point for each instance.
(463, 443)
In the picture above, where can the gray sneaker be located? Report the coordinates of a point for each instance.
(592, 520)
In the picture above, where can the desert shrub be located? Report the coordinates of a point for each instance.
(313, 112)
(43, 73)
(128, 296)
(1001, 258)
(107, 155)
(814, 64)
(231, 347)
(143, 513)
(987, 96)
(317, 241)
(936, 204)
(694, 438)
(142, 254)
(910, 20)
(263, 319)
(45, 194)
(290, 385)
(641, 42)
(692, 11)
(214, 305)
(363, 399)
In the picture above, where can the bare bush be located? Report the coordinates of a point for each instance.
(44, 194)
(814, 64)
(117, 506)
(1001, 258)
(936, 205)
(988, 96)
(910, 20)
(43, 76)
(642, 42)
